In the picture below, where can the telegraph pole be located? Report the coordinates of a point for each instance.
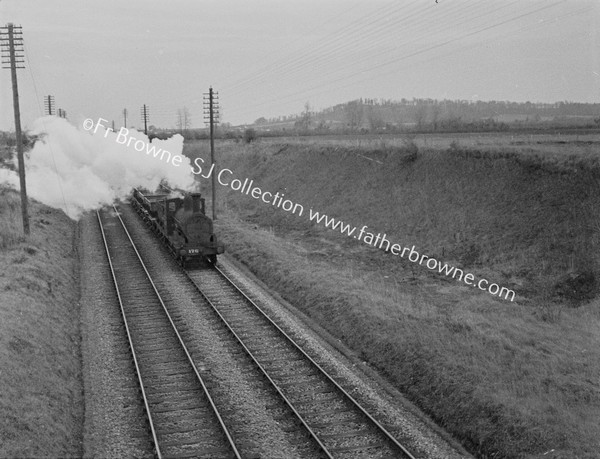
(211, 105)
(125, 118)
(145, 116)
(11, 43)
(49, 105)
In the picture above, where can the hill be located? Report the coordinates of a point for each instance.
(430, 115)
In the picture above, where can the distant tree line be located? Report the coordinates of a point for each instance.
(431, 115)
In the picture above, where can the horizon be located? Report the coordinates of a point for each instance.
(290, 117)
(267, 60)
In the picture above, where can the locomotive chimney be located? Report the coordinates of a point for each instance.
(196, 204)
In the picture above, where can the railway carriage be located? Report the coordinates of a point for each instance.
(179, 219)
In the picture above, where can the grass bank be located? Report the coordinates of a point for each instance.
(41, 408)
(508, 379)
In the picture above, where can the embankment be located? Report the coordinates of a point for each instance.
(508, 379)
(41, 407)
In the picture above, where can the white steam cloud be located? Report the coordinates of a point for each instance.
(75, 170)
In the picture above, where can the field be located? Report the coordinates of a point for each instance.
(508, 379)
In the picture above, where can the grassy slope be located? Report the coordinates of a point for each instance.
(41, 396)
(508, 379)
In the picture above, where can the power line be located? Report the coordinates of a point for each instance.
(257, 75)
(397, 59)
(37, 99)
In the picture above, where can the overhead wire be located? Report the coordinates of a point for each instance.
(329, 83)
(328, 44)
(334, 35)
(37, 96)
(341, 53)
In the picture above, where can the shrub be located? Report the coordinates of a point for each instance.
(409, 149)
(249, 135)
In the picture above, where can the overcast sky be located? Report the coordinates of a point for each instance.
(270, 57)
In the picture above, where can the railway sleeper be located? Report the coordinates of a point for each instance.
(291, 373)
(174, 391)
(351, 448)
(165, 389)
(160, 353)
(306, 384)
(295, 371)
(149, 353)
(365, 431)
(177, 397)
(334, 412)
(266, 358)
(214, 453)
(179, 429)
(164, 348)
(165, 406)
(183, 442)
(167, 370)
(154, 333)
(159, 380)
(142, 311)
(304, 403)
(181, 419)
(138, 316)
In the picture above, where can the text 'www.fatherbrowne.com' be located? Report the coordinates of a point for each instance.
(381, 242)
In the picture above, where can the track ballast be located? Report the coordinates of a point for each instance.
(322, 417)
(182, 417)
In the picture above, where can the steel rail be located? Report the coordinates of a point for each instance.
(184, 347)
(378, 425)
(133, 353)
(262, 369)
(200, 379)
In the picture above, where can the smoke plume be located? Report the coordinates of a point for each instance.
(76, 170)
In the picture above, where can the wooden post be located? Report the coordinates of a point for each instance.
(13, 73)
(212, 152)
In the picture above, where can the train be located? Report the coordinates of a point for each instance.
(179, 220)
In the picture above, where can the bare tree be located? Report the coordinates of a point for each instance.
(354, 113)
(305, 120)
(434, 111)
(420, 114)
(306, 115)
(184, 120)
(375, 119)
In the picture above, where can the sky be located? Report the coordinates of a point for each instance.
(267, 58)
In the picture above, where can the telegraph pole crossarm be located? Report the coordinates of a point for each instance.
(145, 117)
(211, 105)
(49, 105)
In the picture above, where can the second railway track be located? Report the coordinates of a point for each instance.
(338, 423)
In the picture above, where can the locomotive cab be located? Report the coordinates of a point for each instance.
(181, 222)
(195, 229)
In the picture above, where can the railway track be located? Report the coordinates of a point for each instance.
(323, 419)
(183, 419)
(338, 423)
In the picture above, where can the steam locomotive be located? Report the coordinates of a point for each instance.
(179, 219)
